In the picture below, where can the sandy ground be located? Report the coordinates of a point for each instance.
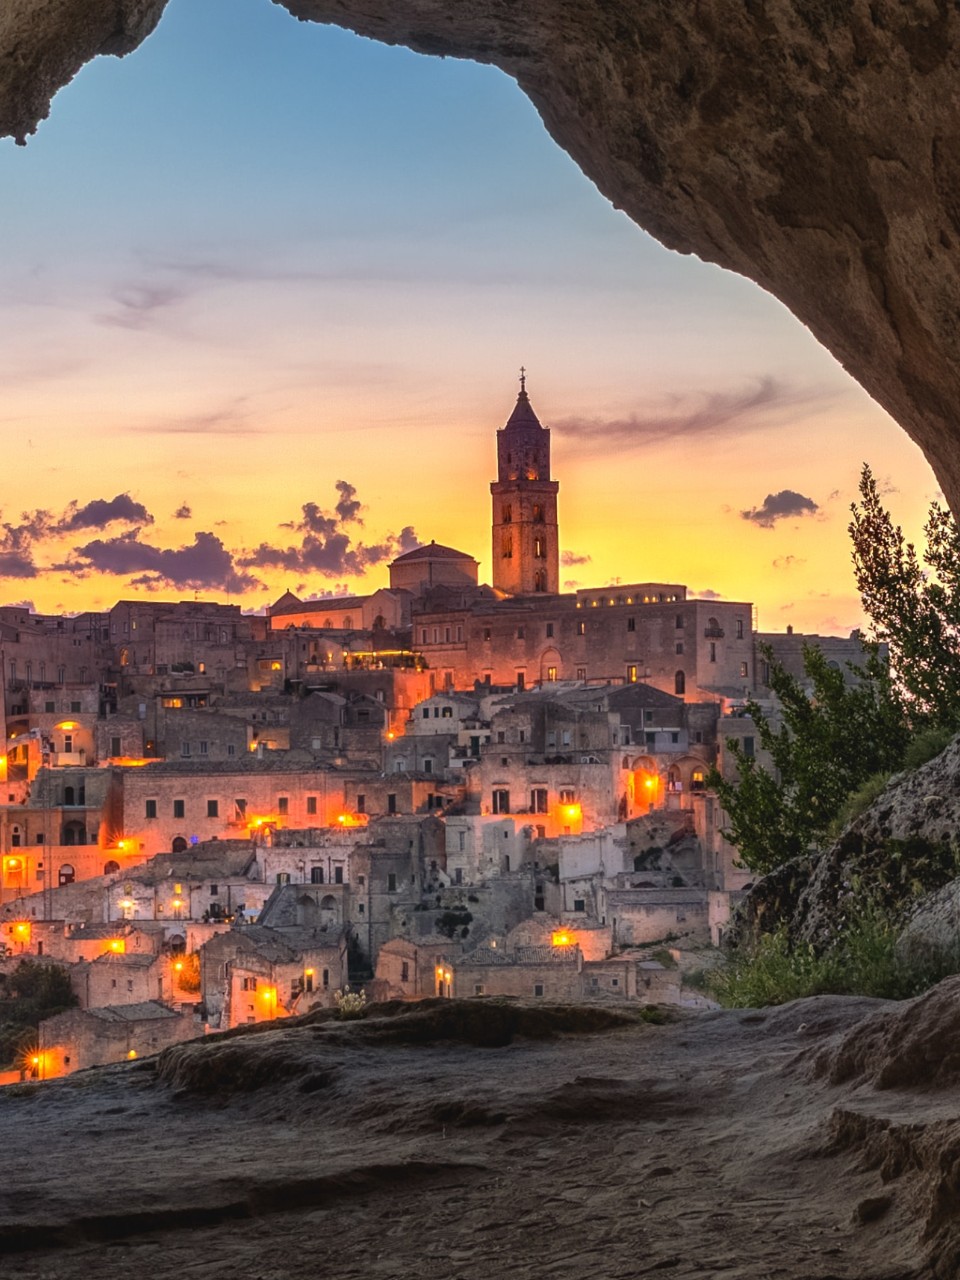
(735, 1145)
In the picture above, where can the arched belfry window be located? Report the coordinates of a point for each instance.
(508, 546)
(539, 581)
(507, 513)
(679, 684)
(538, 513)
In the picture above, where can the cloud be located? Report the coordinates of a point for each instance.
(326, 546)
(15, 564)
(36, 526)
(570, 558)
(205, 563)
(784, 505)
(137, 305)
(788, 562)
(769, 402)
(101, 512)
(707, 594)
(183, 512)
(571, 584)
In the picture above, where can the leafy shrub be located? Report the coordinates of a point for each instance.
(925, 746)
(864, 959)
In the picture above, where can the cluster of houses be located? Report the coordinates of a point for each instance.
(440, 789)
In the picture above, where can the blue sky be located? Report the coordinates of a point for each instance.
(258, 256)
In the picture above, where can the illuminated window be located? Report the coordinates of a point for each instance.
(581, 673)
(538, 800)
(581, 628)
(631, 674)
(551, 673)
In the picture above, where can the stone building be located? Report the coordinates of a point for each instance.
(83, 1038)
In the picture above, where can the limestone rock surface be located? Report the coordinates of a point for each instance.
(816, 1140)
(812, 145)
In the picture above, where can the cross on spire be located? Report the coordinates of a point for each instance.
(523, 378)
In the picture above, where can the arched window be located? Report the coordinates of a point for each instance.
(74, 833)
(538, 513)
(507, 551)
(540, 548)
(124, 660)
(66, 874)
(539, 581)
(328, 623)
(347, 623)
(179, 845)
(507, 513)
(111, 868)
(679, 684)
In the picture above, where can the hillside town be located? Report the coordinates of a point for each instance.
(443, 788)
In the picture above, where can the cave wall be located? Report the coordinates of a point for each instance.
(812, 145)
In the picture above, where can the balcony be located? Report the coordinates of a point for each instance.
(713, 633)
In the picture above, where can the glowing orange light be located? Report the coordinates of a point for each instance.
(253, 746)
(130, 762)
(352, 819)
(13, 864)
(560, 938)
(35, 1061)
(650, 783)
(67, 724)
(178, 965)
(22, 930)
(121, 844)
(132, 1053)
(118, 945)
(572, 811)
(177, 904)
(308, 973)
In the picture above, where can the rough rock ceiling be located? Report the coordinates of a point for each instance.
(811, 145)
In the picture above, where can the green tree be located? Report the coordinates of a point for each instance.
(913, 604)
(33, 991)
(824, 745)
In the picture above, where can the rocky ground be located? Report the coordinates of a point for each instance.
(818, 1140)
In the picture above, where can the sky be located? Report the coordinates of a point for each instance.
(265, 292)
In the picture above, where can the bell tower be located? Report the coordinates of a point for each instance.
(526, 554)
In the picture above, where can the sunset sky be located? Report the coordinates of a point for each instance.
(257, 258)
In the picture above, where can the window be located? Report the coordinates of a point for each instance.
(697, 782)
(568, 797)
(538, 513)
(316, 875)
(581, 628)
(679, 647)
(115, 746)
(713, 651)
(338, 875)
(426, 713)
(679, 684)
(549, 630)
(213, 808)
(739, 628)
(521, 681)
(185, 749)
(538, 800)
(283, 805)
(501, 801)
(538, 988)
(631, 624)
(632, 674)
(151, 809)
(49, 706)
(179, 808)
(507, 549)
(486, 633)
(551, 674)
(391, 804)
(748, 747)
(428, 765)
(240, 810)
(231, 749)
(540, 548)
(744, 670)
(446, 713)
(679, 623)
(478, 988)
(203, 748)
(311, 804)
(520, 633)
(405, 971)
(361, 802)
(579, 904)
(507, 513)
(392, 882)
(214, 891)
(581, 673)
